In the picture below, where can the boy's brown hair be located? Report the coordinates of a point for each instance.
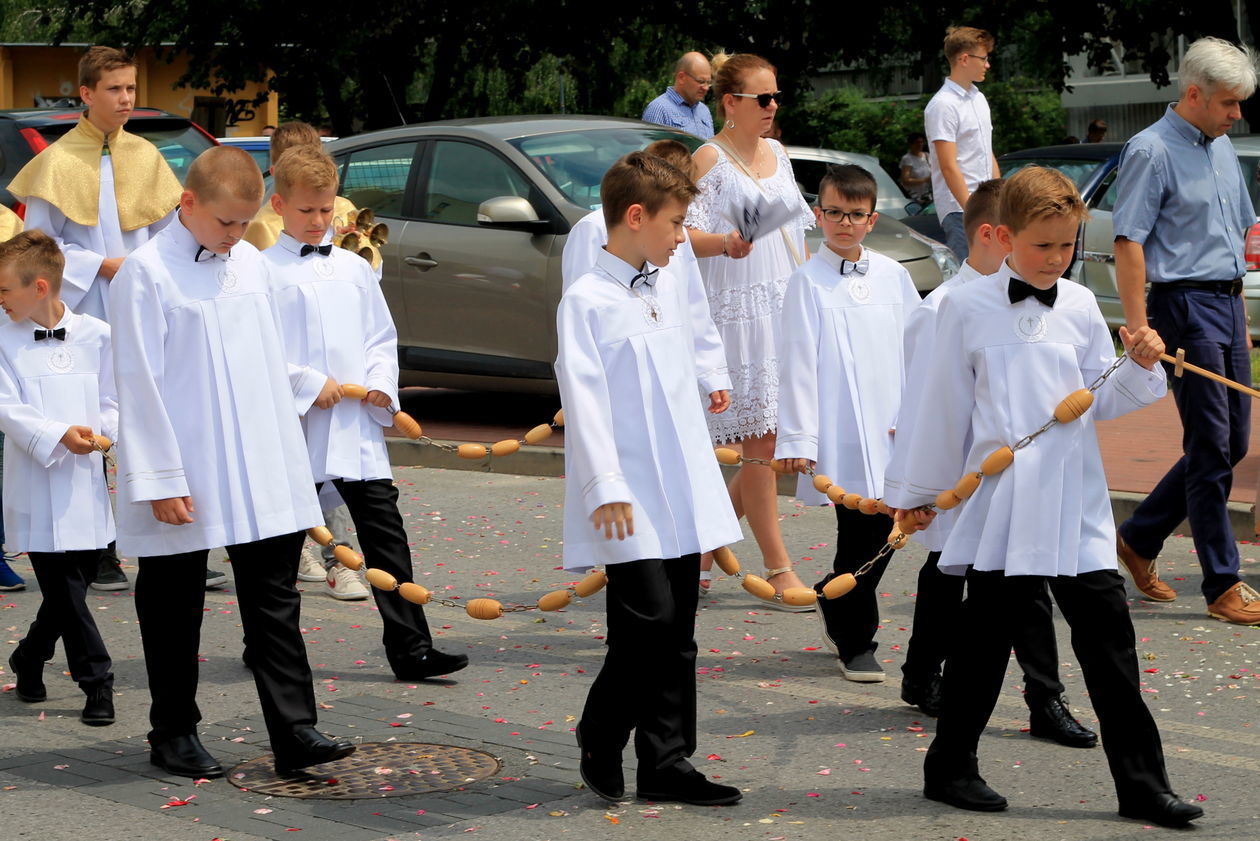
(1038, 192)
(964, 39)
(982, 207)
(223, 171)
(291, 134)
(673, 152)
(307, 167)
(100, 60)
(851, 182)
(644, 179)
(31, 255)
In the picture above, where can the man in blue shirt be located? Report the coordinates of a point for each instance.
(682, 106)
(1181, 219)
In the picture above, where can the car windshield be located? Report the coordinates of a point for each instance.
(1075, 168)
(575, 161)
(177, 140)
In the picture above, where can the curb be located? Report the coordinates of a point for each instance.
(549, 461)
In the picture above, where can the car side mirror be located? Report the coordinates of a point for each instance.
(913, 208)
(509, 212)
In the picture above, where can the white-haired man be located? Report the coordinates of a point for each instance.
(682, 106)
(1181, 219)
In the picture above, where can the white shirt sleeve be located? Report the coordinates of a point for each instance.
(380, 352)
(940, 121)
(29, 430)
(82, 265)
(107, 390)
(711, 367)
(582, 246)
(799, 332)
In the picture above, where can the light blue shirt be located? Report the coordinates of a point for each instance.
(670, 109)
(1183, 197)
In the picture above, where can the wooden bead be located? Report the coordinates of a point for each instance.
(505, 447)
(726, 560)
(759, 587)
(353, 392)
(836, 493)
(555, 600)
(414, 593)
(997, 461)
(779, 465)
(799, 596)
(102, 443)
(821, 483)
(558, 420)
(320, 534)
(473, 451)
(484, 609)
(381, 580)
(868, 506)
(897, 538)
(838, 586)
(967, 485)
(883, 508)
(851, 501)
(538, 434)
(591, 584)
(946, 500)
(407, 425)
(347, 557)
(1074, 405)
(726, 455)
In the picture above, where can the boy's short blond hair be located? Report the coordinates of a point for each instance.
(674, 152)
(1037, 192)
(982, 207)
(224, 172)
(98, 61)
(307, 167)
(644, 179)
(31, 255)
(291, 134)
(964, 39)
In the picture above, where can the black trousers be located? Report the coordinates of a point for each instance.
(373, 507)
(936, 608)
(170, 596)
(1102, 636)
(64, 614)
(648, 681)
(853, 619)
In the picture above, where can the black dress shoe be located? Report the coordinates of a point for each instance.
(1051, 719)
(184, 756)
(29, 679)
(307, 747)
(967, 793)
(925, 694)
(686, 787)
(99, 709)
(1164, 809)
(434, 664)
(601, 771)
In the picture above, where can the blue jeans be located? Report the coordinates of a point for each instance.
(955, 234)
(1216, 425)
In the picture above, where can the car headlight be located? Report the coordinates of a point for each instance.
(944, 258)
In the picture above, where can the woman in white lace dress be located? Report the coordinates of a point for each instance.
(745, 282)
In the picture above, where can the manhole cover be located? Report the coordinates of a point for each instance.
(377, 769)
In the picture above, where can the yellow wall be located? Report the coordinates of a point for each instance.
(29, 72)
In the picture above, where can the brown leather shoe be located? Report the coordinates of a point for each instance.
(1145, 578)
(1239, 604)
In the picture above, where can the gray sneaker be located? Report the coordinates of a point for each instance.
(109, 575)
(862, 668)
(215, 578)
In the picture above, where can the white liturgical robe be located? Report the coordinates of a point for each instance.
(206, 408)
(634, 421)
(841, 370)
(996, 372)
(54, 500)
(85, 246)
(336, 324)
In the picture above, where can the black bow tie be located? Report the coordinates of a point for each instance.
(1018, 290)
(644, 277)
(59, 334)
(324, 250)
(204, 255)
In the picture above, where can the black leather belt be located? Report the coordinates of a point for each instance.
(1225, 287)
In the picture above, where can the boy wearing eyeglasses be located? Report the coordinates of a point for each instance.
(960, 130)
(840, 374)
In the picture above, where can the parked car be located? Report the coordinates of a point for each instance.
(929, 261)
(259, 148)
(478, 211)
(1093, 167)
(24, 133)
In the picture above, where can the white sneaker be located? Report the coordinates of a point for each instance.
(311, 567)
(344, 584)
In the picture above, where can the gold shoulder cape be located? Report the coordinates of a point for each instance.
(265, 228)
(67, 175)
(10, 224)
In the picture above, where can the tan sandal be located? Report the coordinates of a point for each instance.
(778, 603)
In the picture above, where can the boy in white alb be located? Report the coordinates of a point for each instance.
(56, 391)
(338, 330)
(211, 454)
(961, 131)
(1006, 352)
(840, 375)
(638, 460)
